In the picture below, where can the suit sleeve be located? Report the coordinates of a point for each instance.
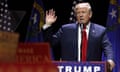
(107, 47)
(52, 38)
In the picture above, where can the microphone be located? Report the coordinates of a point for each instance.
(82, 27)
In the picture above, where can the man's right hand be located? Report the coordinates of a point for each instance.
(50, 17)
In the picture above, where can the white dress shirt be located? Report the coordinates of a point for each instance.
(79, 39)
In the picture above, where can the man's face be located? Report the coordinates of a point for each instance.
(83, 15)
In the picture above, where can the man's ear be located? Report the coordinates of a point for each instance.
(91, 13)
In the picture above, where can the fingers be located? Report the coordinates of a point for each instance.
(111, 65)
(50, 16)
(50, 12)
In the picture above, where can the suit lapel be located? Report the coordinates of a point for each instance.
(92, 32)
(76, 40)
(90, 40)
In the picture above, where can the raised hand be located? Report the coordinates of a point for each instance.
(50, 17)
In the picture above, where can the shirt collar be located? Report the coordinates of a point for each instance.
(87, 26)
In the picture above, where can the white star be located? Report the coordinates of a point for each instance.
(72, 13)
(113, 13)
(71, 18)
(74, 2)
(8, 29)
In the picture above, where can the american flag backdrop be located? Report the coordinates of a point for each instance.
(7, 20)
(72, 15)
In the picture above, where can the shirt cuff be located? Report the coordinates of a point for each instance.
(45, 26)
(109, 60)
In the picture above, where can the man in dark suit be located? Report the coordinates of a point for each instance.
(70, 38)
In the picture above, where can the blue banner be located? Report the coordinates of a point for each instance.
(113, 24)
(81, 66)
(36, 22)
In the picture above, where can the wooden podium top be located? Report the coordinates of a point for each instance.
(8, 45)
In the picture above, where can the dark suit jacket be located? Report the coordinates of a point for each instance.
(67, 37)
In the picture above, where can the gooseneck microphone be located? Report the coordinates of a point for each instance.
(82, 26)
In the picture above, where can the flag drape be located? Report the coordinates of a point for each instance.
(113, 24)
(36, 22)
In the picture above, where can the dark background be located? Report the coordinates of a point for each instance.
(62, 8)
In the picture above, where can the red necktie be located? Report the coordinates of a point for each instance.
(84, 44)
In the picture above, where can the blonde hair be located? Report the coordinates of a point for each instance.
(79, 5)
